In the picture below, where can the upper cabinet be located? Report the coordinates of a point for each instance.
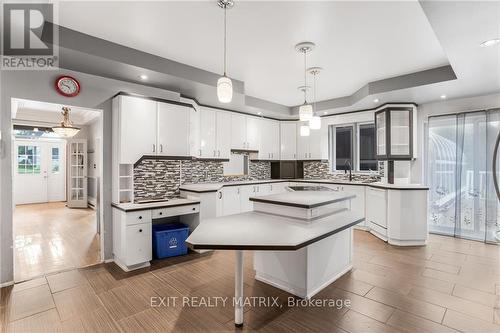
(395, 133)
(270, 140)
(288, 139)
(308, 147)
(144, 126)
(245, 132)
(215, 134)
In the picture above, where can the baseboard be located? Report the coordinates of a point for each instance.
(361, 227)
(299, 292)
(6, 284)
(130, 268)
(107, 261)
(399, 242)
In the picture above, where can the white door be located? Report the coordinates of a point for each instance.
(39, 171)
(173, 129)
(77, 173)
(56, 171)
(238, 131)
(253, 133)
(288, 136)
(207, 133)
(223, 135)
(138, 124)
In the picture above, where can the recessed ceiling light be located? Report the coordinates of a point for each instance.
(443, 96)
(375, 100)
(324, 112)
(259, 113)
(490, 42)
(143, 77)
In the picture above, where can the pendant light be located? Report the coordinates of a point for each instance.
(66, 128)
(305, 110)
(224, 84)
(315, 121)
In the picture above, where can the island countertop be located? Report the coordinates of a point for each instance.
(260, 231)
(304, 199)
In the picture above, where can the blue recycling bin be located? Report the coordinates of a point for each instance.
(169, 240)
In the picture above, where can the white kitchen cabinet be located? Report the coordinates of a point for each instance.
(246, 192)
(358, 203)
(308, 147)
(376, 211)
(223, 134)
(288, 140)
(173, 130)
(253, 133)
(138, 238)
(136, 128)
(270, 138)
(231, 203)
(238, 131)
(208, 133)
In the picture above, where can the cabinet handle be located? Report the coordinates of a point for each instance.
(293, 155)
(220, 195)
(161, 148)
(154, 148)
(194, 208)
(140, 230)
(161, 213)
(200, 151)
(238, 190)
(140, 217)
(218, 151)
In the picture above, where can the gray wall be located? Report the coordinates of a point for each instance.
(96, 93)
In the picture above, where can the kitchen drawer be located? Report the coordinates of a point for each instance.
(174, 211)
(139, 244)
(141, 216)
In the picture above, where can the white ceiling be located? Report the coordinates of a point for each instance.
(40, 112)
(357, 42)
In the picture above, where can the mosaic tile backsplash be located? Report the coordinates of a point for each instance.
(158, 179)
(321, 170)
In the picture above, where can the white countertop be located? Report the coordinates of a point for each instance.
(213, 187)
(260, 231)
(304, 199)
(129, 206)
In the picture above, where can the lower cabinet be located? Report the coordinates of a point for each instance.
(230, 197)
(138, 239)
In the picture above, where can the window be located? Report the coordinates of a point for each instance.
(343, 147)
(28, 160)
(55, 160)
(354, 144)
(367, 148)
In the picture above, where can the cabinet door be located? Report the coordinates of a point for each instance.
(207, 133)
(274, 139)
(400, 132)
(253, 133)
(246, 192)
(288, 138)
(358, 203)
(173, 130)
(138, 244)
(376, 206)
(137, 128)
(302, 145)
(314, 145)
(223, 135)
(265, 137)
(231, 200)
(238, 131)
(380, 124)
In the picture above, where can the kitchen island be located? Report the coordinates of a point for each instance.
(302, 240)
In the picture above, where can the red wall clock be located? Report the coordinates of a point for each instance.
(67, 86)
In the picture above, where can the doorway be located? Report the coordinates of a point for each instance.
(55, 189)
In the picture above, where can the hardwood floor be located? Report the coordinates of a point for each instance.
(51, 237)
(451, 285)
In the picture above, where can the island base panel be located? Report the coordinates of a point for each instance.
(307, 271)
(238, 289)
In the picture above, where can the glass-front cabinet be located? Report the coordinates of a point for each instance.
(394, 127)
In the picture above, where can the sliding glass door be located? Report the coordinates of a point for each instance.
(462, 199)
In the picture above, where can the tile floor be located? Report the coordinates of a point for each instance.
(451, 285)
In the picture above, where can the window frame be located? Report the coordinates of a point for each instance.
(355, 146)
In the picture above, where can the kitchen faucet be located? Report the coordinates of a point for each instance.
(348, 164)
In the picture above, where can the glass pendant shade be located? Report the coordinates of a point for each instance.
(304, 130)
(305, 112)
(225, 89)
(65, 132)
(315, 123)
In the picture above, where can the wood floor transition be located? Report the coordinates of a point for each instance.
(450, 285)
